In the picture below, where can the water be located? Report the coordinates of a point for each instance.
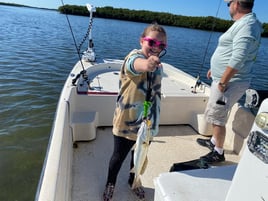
(36, 54)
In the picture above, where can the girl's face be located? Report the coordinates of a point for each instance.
(153, 43)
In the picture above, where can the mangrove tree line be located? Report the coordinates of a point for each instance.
(204, 23)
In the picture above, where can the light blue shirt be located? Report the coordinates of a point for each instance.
(237, 48)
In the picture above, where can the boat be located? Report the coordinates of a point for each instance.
(80, 145)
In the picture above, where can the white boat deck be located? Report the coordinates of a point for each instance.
(90, 164)
(171, 86)
(83, 114)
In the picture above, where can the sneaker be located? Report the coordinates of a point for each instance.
(205, 143)
(139, 192)
(108, 192)
(213, 157)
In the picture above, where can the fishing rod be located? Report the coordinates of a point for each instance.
(198, 81)
(147, 103)
(89, 54)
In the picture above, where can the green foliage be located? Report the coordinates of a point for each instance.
(265, 30)
(73, 10)
(204, 23)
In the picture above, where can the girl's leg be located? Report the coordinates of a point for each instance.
(122, 146)
(131, 174)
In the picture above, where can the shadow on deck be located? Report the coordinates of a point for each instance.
(173, 144)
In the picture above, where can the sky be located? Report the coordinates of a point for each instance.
(178, 7)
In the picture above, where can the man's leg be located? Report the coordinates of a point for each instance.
(217, 154)
(219, 133)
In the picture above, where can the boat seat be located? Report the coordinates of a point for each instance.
(84, 125)
(237, 129)
(201, 184)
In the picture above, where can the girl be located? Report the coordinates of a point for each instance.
(141, 68)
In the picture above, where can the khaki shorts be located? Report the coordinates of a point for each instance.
(220, 103)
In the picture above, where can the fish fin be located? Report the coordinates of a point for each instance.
(132, 170)
(133, 147)
(136, 183)
(144, 166)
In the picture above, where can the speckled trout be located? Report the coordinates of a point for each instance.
(140, 151)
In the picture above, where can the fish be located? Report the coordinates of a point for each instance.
(140, 152)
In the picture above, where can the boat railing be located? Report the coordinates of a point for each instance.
(84, 86)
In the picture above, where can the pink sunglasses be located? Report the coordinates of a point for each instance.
(155, 43)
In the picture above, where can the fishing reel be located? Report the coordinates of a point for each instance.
(198, 84)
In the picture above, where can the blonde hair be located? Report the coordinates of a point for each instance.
(153, 27)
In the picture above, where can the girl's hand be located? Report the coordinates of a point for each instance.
(153, 62)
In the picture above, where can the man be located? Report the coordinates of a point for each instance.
(231, 72)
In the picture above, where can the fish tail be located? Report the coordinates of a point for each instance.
(136, 182)
(132, 170)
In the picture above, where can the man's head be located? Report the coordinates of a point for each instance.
(247, 4)
(246, 1)
(238, 8)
